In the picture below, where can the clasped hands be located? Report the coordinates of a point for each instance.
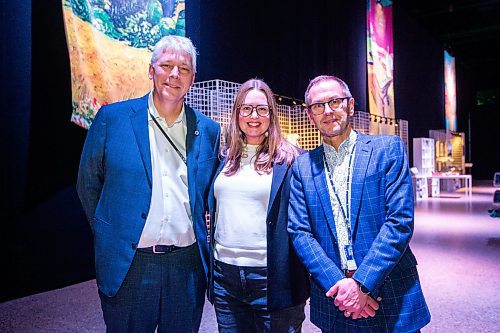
(351, 300)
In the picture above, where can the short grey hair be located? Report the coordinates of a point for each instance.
(318, 79)
(176, 44)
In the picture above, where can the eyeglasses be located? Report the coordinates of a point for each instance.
(183, 70)
(262, 110)
(334, 103)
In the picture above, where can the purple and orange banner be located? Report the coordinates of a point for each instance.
(109, 44)
(450, 92)
(380, 60)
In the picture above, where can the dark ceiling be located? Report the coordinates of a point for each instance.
(469, 30)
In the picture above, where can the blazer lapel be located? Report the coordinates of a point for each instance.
(193, 139)
(221, 166)
(318, 173)
(279, 173)
(361, 161)
(139, 120)
(213, 221)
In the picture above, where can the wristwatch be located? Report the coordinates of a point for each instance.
(363, 289)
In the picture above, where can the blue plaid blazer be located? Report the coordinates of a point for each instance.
(381, 225)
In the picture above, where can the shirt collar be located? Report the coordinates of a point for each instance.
(345, 147)
(153, 112)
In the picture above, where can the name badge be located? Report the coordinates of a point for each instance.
(349, 254)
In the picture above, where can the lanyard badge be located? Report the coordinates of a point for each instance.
(348, 252)
(348, 248)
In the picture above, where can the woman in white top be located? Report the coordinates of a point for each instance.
(257, 282)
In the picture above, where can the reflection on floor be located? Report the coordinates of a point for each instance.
(457, 245)
(456, 242)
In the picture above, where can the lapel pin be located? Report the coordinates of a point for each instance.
(196, 132)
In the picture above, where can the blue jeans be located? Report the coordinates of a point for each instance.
(165, 292)
(240, 299)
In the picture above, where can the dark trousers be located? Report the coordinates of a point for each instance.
(240, 295)
(161, 291)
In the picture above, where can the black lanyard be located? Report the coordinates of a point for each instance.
(345, 213)
(169, 140)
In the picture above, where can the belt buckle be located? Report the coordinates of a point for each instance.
(156, 251)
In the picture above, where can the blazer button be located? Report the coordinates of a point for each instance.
(134, 245)
(144, 216)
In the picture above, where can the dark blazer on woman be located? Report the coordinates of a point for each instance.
(287, 280)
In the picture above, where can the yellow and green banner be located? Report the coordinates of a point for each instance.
(109, 44)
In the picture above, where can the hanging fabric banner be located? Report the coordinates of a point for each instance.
(109, 44)
(380, 60)
(450, 92)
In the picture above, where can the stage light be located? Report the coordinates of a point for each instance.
(294, 103)
(386, 121)
(380, 121)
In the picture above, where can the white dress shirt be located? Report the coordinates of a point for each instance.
(169, 220)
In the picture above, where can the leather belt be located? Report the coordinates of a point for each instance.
(160, 249)
(348, 273)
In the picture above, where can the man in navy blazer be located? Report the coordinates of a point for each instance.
(351, 221)
(143, 181)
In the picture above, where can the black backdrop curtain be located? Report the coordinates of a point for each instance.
(46, 238)
(418, 78)
(286, 43)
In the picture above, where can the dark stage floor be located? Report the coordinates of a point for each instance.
(456, 243)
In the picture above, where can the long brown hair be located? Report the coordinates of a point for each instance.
(274, 148)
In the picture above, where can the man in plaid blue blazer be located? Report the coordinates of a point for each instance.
(351, 221)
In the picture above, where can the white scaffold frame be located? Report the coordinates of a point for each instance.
(215, 99)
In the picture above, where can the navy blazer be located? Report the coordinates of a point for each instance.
(287, 279)
(115, 183)
(381, 226)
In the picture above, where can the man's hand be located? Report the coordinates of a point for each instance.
(351, 300)
(369, 310)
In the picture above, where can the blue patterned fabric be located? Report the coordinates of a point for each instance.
(381, 225)
(156, 298)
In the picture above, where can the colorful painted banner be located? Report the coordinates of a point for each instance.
(109, 44)
(380, 59)
(450, 92)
